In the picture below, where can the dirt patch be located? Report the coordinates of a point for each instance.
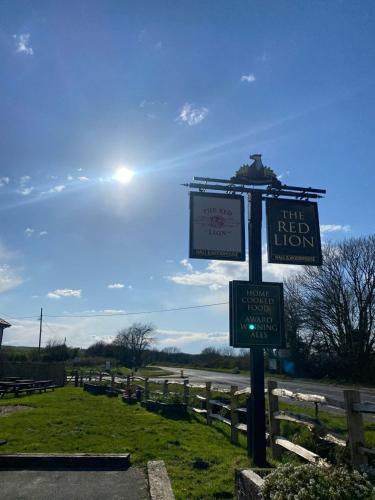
(8, 410)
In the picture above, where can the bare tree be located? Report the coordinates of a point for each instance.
(135, 340)
(336, 304)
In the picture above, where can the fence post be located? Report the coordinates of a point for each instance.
(90, 375)
(146, 393)
(76, 378)
(186, 392)
(81, 379)
(112, 380)
(208, 404)
(128, 382)
(233, 414)
(273, 424)
(100, 376)
(165, 389)
(355, 428)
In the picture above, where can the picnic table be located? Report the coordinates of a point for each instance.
(24, 386)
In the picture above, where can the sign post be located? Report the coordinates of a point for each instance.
(256, 312)
(256, 422)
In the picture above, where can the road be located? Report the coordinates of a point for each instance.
(226, 379)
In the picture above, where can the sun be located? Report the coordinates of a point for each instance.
(123, 175)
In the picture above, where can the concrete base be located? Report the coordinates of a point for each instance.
(248, 485)
(130, 484)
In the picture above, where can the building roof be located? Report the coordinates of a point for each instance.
(4, 324)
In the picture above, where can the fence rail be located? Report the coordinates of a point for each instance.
(229, 411)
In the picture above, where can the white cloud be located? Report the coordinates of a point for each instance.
(79, 169)
(43, 233)
(29, 232)
(218, 273)
(3, 181)
(57, 189)
(186, 264)
(116, 285)
(183, 338)
(9, 277)
(26, 191)
(70, 178)
(113, 311)
(24, 180)
(191, 115)
(23, 43)
(250, 78)
(82, 178)
(332, 228)
(64, 292)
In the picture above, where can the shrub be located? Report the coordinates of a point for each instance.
(307, 482)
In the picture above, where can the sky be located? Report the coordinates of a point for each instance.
(169, 90)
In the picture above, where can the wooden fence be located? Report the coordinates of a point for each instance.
(229, 411)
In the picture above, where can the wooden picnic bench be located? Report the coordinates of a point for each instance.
(28, 387)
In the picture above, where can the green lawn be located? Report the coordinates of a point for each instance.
(71, 420)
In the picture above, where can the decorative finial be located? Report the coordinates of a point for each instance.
(256, 173)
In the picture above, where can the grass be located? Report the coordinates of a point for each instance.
(71, 420)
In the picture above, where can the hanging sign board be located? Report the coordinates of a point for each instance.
(216, 226)
(293, 232)
(256, 314)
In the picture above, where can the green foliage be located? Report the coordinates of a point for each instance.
(307, 482)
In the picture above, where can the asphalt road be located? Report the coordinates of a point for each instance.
(227, 379)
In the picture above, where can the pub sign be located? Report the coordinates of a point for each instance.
(293, 232)
(216, 226)
(256, 314)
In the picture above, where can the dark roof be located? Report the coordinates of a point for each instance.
(4, 323)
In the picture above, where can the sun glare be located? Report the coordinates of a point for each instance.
(123, 175)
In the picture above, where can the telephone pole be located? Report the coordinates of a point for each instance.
(40, 329)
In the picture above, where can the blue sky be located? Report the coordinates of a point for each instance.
(170, 90)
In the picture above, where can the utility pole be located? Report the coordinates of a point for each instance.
(40, 329)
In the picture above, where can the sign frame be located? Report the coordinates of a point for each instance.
(270, 246)
(233, 312)
(215, 256)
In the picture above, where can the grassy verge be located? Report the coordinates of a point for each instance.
(70, 420)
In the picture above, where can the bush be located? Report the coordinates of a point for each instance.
(307, 482)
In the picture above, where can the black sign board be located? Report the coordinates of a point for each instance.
(293, 232)
(256, 314)
(217, 228)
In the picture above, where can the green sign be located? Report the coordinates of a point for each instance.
(293, 232)
(256, 314)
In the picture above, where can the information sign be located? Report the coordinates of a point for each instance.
(256, 314)
(216, 226)
(293, 232)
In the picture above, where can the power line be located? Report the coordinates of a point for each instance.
(110, 315)
(133, 313)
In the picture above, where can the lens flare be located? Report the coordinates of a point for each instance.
(123, 175)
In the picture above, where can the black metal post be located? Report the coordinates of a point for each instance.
(256, 422)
